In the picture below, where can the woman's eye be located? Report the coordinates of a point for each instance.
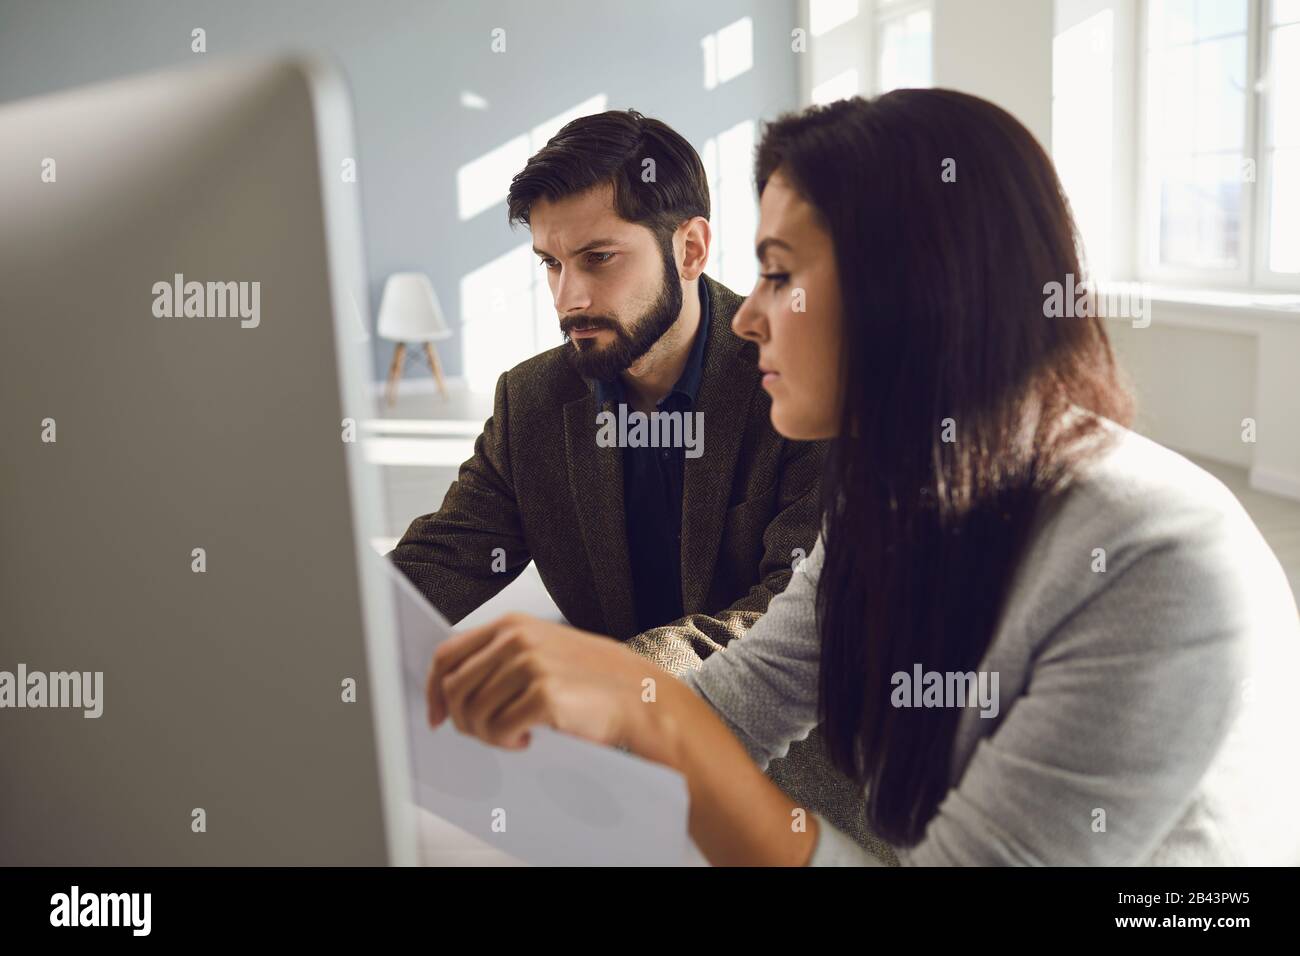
(777, 279)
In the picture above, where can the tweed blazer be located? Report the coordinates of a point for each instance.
(540, 488)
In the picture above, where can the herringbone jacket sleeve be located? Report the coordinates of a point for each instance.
(792, 531)
(473, 546)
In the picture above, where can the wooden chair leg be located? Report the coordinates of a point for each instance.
(395, 373)
(436, 366)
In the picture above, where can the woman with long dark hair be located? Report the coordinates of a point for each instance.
(1030, 634)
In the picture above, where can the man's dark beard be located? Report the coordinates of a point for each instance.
(593, 361)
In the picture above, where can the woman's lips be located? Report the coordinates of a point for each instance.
(769, 376)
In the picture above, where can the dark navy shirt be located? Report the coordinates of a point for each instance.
(653, 479)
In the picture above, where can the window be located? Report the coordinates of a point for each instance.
(506, 312)
(903, 45)
(868, 47)
(1083, 84)
(1281, 152)
(1221, 154)
(825, 15)
(728, 164)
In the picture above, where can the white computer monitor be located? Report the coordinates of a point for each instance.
(188, 515)
(184, 512)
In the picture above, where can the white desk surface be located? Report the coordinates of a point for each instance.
(445, 844)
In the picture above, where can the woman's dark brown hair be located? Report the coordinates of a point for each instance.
(948, 221)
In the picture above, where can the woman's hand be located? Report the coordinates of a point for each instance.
(497, 681)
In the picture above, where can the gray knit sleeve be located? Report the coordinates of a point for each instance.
(1132, 685)
(1128, 702)
(764, 686)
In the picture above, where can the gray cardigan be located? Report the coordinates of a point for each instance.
(1144, 711)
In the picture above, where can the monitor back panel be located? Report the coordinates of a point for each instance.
(177, 511)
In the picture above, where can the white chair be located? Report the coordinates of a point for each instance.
(409, 312)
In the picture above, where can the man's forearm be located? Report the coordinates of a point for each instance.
(457, 572)
(685, 644)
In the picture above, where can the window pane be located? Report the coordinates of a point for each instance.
(1082, 117)
(826, 15)
(916, 49)
(1286, 11)
(1171, 22)
(1200, 212)
(905, 51)
(891, 41)
(1284, 87)
(1171, 110)
(1220, 94)
(727, 160)
(1284, 233)
(1216, 17)
(1197, 101)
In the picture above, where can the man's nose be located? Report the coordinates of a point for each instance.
(571, 293)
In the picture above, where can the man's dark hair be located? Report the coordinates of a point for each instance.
(612, 147)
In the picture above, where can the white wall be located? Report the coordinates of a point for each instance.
(1000, 50)
(435, 107)
(1200, 369)
(849, 46)
(1186, 414)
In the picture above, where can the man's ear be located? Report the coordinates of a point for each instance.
(694, 235)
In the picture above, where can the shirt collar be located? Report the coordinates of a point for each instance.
(688, 385)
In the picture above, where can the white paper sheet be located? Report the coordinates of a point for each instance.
(561, 802)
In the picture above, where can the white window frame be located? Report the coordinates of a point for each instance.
(1266, 277)
(1252, 272)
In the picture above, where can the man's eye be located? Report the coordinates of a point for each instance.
(549, 263)
(777, 279)
(597, 258)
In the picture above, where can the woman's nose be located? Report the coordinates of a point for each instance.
(748, 323)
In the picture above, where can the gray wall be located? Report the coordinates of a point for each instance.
(407, 64)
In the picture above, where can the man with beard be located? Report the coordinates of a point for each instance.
(674, 555)
(677, 555)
